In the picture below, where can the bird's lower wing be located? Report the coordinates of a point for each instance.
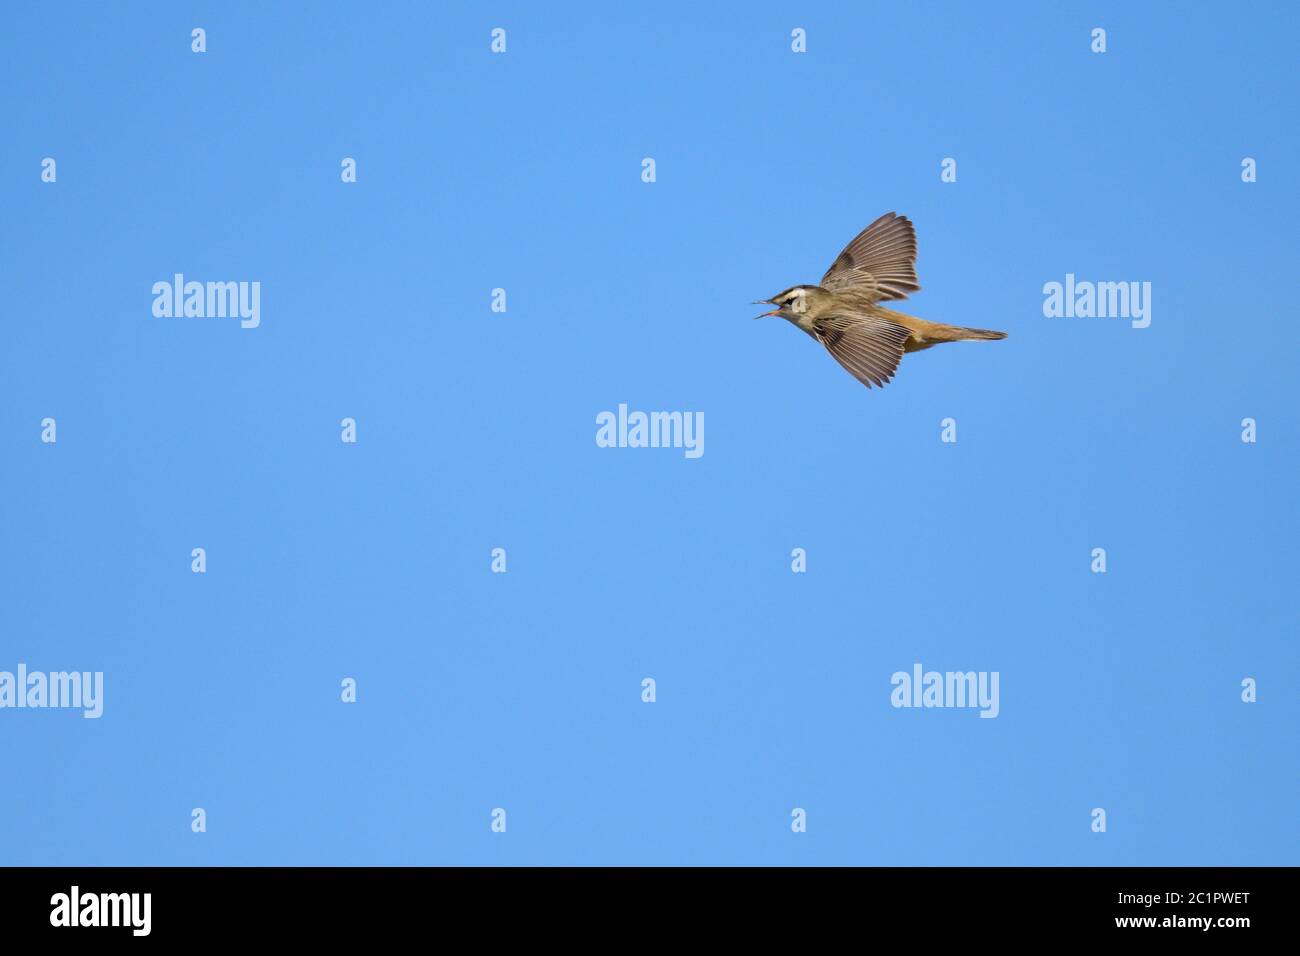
(868, 346)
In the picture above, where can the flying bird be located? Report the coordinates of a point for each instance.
(844, 313)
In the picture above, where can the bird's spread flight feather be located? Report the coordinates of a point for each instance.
(879, 264)
(868, 346)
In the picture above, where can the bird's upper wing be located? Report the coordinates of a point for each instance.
(868, 346)
(880, 262)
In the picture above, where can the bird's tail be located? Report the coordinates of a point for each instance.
(926, 334)
(961, 334)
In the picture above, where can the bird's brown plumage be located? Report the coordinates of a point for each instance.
(844, 314)
(878, 264)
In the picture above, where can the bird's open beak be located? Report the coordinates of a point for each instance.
(765, 302)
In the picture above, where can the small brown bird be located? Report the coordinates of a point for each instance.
(843, 313)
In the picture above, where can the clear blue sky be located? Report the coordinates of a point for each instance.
(476, 431)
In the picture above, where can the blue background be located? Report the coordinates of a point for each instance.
(476, 430)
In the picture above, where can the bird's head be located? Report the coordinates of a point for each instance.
(791, 303)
